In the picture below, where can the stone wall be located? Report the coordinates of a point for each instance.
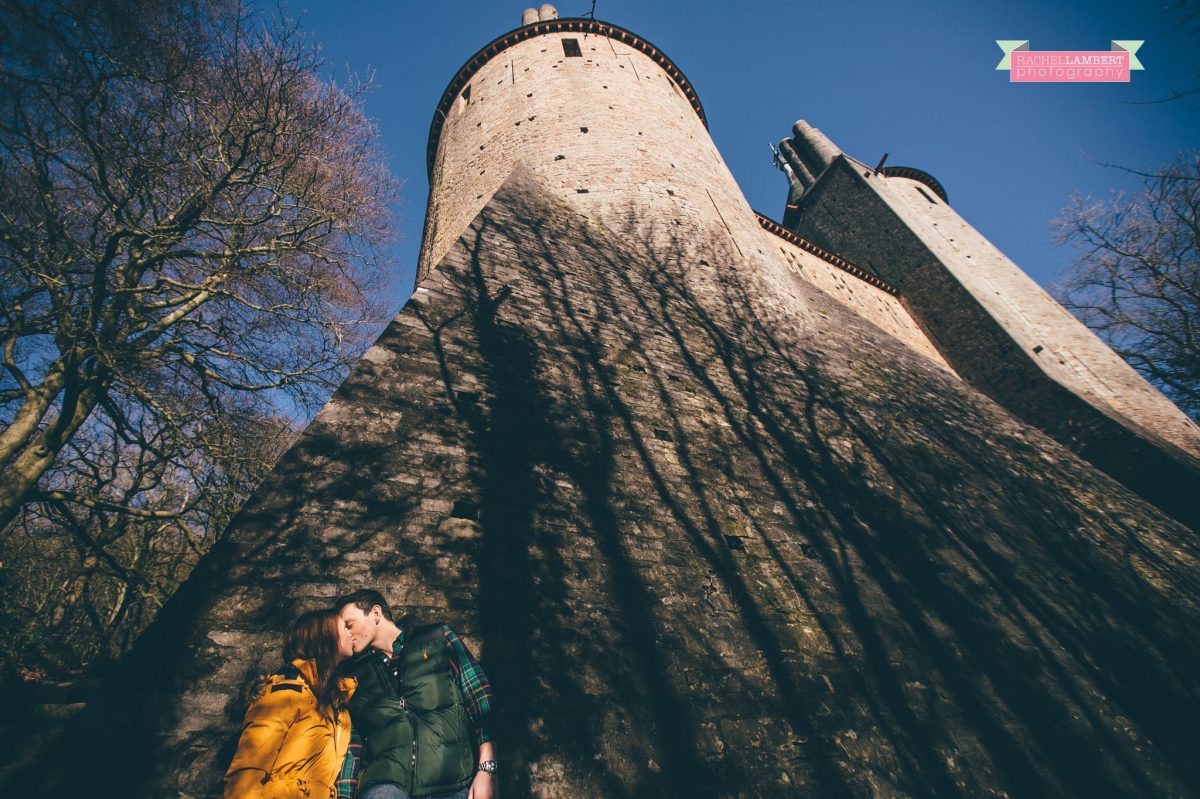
(701, 548)
(884, 310)
(609, 130)
(614, 133)
(716, 522)
(1004, 334)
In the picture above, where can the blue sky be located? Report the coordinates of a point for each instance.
(916, 80)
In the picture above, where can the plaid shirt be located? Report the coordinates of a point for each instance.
(477, 701)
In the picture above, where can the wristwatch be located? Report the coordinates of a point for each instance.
(489, 766)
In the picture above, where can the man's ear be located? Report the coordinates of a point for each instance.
(377, 612)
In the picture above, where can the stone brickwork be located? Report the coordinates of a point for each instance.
(617, 133)
(1003, 333)
(883, 309)
(716, 518)
(702, 550)
(609, 129)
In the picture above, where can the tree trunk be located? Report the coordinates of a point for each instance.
(20, 477)
(24, 427)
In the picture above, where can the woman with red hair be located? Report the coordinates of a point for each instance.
(296, 732)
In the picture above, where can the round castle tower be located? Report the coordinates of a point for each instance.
(600, 115)
(734, 540)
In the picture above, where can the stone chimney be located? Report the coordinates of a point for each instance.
(808, 153)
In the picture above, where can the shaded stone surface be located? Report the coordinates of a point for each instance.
(1003, 333)
(702, 550)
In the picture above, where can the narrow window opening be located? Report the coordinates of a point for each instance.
(926, 196)
(466, 95)
(571, 48)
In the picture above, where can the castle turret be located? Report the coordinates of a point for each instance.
(716, 515)
(608, 124)
(999, 330)
(597, 113)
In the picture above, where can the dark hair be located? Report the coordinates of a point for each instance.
(364, 599)
(314, 636)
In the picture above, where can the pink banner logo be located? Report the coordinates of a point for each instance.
(1069, 66)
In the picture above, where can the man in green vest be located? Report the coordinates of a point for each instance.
(421, 710)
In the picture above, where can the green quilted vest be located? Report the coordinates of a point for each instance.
(416, 732)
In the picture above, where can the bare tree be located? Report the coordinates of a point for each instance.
(1136, 282)
(191, 229)
(190, 222)
(1184, 16)
(119, 526)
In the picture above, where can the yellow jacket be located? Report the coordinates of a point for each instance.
(289, 749)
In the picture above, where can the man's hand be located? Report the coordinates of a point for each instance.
(483, 786)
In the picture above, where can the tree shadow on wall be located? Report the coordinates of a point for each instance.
(991, 614)
(528, 435)
(712, 546)
(990, 595)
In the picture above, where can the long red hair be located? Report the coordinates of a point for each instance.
(314, 636)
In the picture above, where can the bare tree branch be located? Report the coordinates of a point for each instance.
(192, 224)
(1137, 280)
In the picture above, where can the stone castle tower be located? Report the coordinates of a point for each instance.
(843, 506)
